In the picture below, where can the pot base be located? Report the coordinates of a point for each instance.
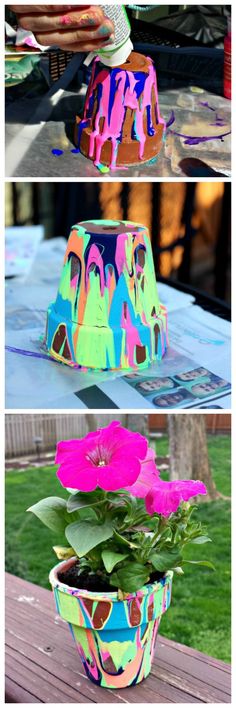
(112, 662)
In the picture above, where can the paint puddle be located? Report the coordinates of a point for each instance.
(57, 152)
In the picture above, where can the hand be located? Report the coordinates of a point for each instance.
(72, 28)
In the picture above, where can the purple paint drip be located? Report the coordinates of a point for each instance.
(27, 352)
(37, 355)
(195, 140)
(205, 104)
(190, 140)
(171, 119)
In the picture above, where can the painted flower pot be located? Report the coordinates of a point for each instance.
(107, 313)
(115, 638)
(121, 124)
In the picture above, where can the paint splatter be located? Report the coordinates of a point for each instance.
(196, 140)
(102, 168)
(57, 152)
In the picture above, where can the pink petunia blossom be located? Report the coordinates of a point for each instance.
(166, 497)
(147, 478)
(109, 458)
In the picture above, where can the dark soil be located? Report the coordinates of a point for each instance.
(89, 581)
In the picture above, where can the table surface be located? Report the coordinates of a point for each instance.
(42, 665)
(33, 380)
(195, 114)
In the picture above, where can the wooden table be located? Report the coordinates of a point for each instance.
(42, 665)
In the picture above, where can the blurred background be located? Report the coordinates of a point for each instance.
(187, 40)
(33, 436)
(189, 223)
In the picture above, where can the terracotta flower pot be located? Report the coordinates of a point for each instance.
(115, 638)
(121, 124)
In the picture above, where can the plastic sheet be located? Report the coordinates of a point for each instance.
(199, 343)
(191, 116)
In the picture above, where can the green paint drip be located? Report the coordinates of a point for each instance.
(102, 168)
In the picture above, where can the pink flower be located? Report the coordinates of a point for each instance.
(108, 458)
(147, 478)
(166, 497)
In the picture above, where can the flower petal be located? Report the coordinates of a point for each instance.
(84, 480)
(111, 477)
(147, 478)
(111, 456)
(71, 447)
(166, 497)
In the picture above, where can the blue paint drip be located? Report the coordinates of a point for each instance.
(83, 124)
(57, 152)
(150, 128)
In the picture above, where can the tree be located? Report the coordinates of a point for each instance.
(188, 451)
(138, 423)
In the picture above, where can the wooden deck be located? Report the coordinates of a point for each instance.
(42, 665)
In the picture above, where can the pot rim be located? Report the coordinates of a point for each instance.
(103, 596)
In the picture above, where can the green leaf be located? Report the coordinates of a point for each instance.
(52, 512)
(165, 560)
(82, 501)
(208, 564)
(131, 577)
(124, 541)
(85, 535)
(110, 559)
(85, 513)
(200, 539)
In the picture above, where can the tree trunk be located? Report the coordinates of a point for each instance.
(138, 422)
(188, 451)
(91, 422)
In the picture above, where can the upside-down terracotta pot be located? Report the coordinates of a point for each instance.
(107, 313)
(121, 123)
(115, 638)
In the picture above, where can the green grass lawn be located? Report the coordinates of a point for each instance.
(200, 612)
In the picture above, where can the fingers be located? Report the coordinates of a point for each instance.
(45, 22)
(87, 47)
(86, 27)
(83, 26)
(84, 37)
(45, 9)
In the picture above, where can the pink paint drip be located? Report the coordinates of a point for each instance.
(123, 99)
(95, 257)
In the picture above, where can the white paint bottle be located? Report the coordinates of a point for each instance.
(118, 52)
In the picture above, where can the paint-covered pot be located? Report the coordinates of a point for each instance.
(121, 124)
(115, 638)
(107, 314)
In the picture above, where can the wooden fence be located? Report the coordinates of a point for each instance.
(23, 430)
(215, 422)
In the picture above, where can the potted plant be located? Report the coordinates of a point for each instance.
(127, 531)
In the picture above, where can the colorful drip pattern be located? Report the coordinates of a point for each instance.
(115, 638)
(110, 94)
(107, 314)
